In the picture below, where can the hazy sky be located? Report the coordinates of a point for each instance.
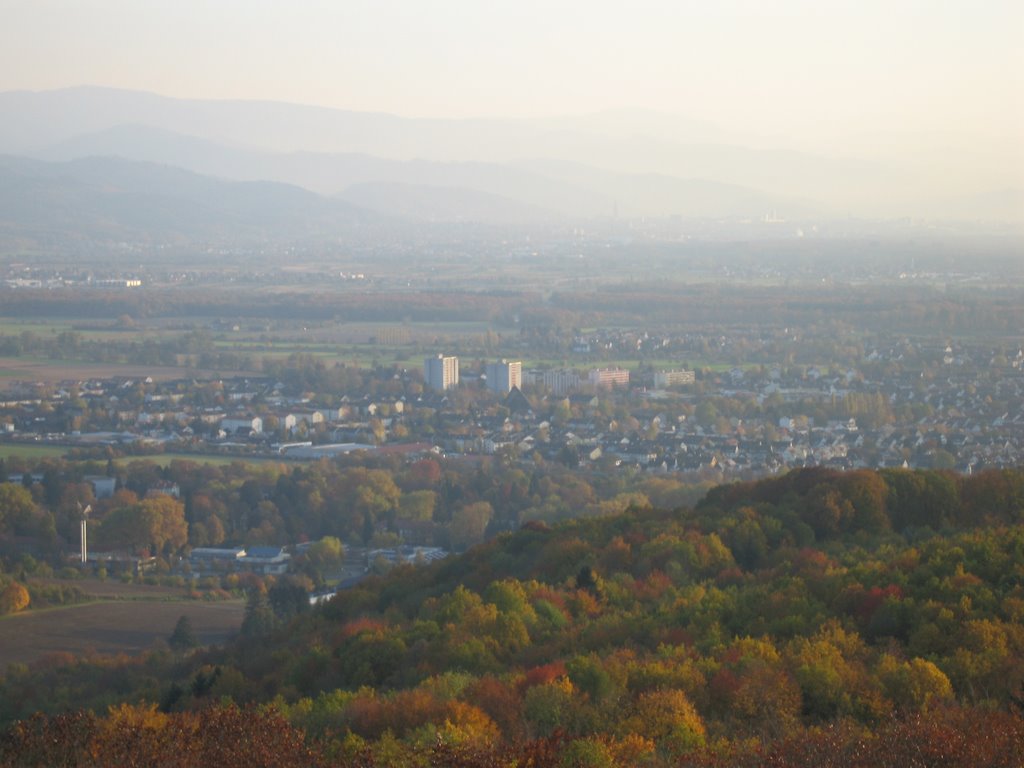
(789, 67)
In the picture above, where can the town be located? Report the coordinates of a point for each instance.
(741, 422)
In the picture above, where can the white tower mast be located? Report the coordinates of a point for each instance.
(85, 523)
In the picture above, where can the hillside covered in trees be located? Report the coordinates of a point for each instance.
(818, 618)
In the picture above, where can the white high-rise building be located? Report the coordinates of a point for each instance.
(441, 372)
(501, 377)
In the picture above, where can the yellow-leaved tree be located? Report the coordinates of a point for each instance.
(13, 598)
(669, 719)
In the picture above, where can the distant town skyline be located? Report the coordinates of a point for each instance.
(792, 71)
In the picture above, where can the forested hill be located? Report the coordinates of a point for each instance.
(819, 618)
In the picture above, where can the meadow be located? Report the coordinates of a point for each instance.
(124, 618)
(32, 451)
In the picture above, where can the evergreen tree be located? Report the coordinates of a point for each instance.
(259, 618)
(184, 637)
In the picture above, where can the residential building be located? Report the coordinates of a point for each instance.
(557, 380)
(673, 378)
(609, 377)
(503, 376)
(255, 559)
(102, 487)
(309, 418)
(440, 372)
(214, 559)
(246, 424)
(164, 488)
(265, 560)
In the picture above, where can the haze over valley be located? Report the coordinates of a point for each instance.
(512, 383)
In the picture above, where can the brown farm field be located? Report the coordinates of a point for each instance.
(129, 620)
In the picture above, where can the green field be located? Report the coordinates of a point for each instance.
(27, 451)
(164, 459)
(332, 342)
(30, 451)
(13, 327)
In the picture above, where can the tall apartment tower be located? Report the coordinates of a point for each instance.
(441, 372)
(501, 377)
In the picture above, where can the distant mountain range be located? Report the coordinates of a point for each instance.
(536, 188)
(106, 199)
(624, 163)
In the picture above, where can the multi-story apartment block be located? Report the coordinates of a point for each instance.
(441, 372)
(609, 377)
(501, 377)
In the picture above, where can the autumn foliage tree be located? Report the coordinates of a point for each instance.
(156, 524)
(134, 735)
(13, 598)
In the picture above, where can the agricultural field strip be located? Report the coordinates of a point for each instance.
(30, 451)
(111, 626)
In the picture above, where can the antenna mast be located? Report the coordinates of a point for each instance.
(85, 522)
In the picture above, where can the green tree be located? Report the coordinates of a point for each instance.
(183, 637)
(18, 510)
(259, 618)
(288, 598)
(417, 505)
(548, 706)
(325, 554)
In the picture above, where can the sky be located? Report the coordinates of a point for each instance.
(798, 69)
